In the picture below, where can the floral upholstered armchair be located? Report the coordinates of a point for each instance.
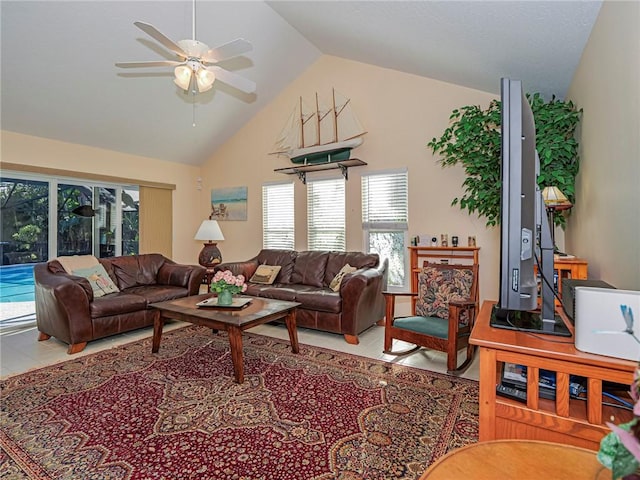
(443, 313)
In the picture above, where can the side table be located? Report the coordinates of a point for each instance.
(208, 276)
(521, 459)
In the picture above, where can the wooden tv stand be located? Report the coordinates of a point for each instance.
(565, 420)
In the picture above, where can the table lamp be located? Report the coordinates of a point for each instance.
(554, 200)
(210, 232)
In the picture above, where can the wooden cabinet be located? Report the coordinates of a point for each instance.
(564, 267)
(579, 422)
(453, 255)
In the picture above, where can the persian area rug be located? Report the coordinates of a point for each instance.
(126, 413)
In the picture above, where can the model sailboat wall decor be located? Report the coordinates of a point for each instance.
(320, 133)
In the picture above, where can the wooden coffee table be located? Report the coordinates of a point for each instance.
(233, 320)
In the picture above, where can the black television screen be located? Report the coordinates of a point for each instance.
(525, 238)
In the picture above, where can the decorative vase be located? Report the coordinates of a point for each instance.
(225, 297)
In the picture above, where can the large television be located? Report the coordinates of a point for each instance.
(525, 235)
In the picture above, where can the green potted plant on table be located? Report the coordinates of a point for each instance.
(472, 140)
(226, 284)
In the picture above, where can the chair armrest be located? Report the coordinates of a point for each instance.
(462, 303)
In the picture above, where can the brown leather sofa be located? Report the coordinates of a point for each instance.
(305, 277)
(67, 309)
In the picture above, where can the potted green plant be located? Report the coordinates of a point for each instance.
(472, 140)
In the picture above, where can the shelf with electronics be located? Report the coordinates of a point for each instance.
(574, 417)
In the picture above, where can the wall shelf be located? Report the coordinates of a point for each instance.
(301, 170)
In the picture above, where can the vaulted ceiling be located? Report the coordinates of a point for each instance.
(59, 80)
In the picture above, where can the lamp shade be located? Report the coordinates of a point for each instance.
(553, 196)
(209, 231)
(183, 76)
(204, 79)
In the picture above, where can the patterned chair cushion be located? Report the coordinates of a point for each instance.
(436, 287)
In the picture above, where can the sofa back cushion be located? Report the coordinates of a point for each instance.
(77, 262)
(337, 260)
(134, 270)
(284, 258)
(309, 269)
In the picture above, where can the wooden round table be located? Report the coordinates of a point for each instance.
(517, 459)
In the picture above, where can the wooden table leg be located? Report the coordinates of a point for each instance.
(158, 323)
(235, 342)
(290, 319)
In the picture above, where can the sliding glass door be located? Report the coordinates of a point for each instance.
(24, 235)
(75, 220)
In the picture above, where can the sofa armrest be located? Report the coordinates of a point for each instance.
(362, 300)
(247, 268)
(186, 276)
(62, 305)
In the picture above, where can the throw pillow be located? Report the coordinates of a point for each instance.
(99, 279)
(75, 262)
(265, 274)
(337, 280)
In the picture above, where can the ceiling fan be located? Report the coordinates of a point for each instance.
(196, 69)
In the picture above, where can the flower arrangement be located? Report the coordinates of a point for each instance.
(228, 282)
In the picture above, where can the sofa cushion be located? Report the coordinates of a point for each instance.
(100, 281)
(76, 262)
(134, 270)
(158, 293)
(174, 274)
(284, 258)
(309, 268)
(278, 291)
(337, 280)
(116, 304)
(265, 274)
(359, 260)
(319, 299)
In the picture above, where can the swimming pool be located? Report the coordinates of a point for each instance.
(16, 283)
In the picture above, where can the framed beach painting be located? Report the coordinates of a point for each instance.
(229, 203)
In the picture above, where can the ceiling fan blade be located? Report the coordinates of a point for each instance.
(160, 37)
(162, 63)
(236, 81)
(232, 49)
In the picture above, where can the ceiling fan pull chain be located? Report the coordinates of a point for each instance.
(194, 111)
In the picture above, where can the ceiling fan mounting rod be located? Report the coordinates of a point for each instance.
(193, 22)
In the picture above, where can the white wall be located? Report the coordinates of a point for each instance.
(42, 152)
(605, 225)
(401, 113)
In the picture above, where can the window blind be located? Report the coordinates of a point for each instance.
(326, 214)
(278, 216)
(385, 217)
(385, 202)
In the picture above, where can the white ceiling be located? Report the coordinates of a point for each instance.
(59, 80)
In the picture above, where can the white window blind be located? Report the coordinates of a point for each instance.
(326, 214)
(385, 218)
(278, 216)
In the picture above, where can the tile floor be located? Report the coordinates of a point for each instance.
(20, 351)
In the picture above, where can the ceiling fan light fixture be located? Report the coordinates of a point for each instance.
(183, 76)
(205, 79)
